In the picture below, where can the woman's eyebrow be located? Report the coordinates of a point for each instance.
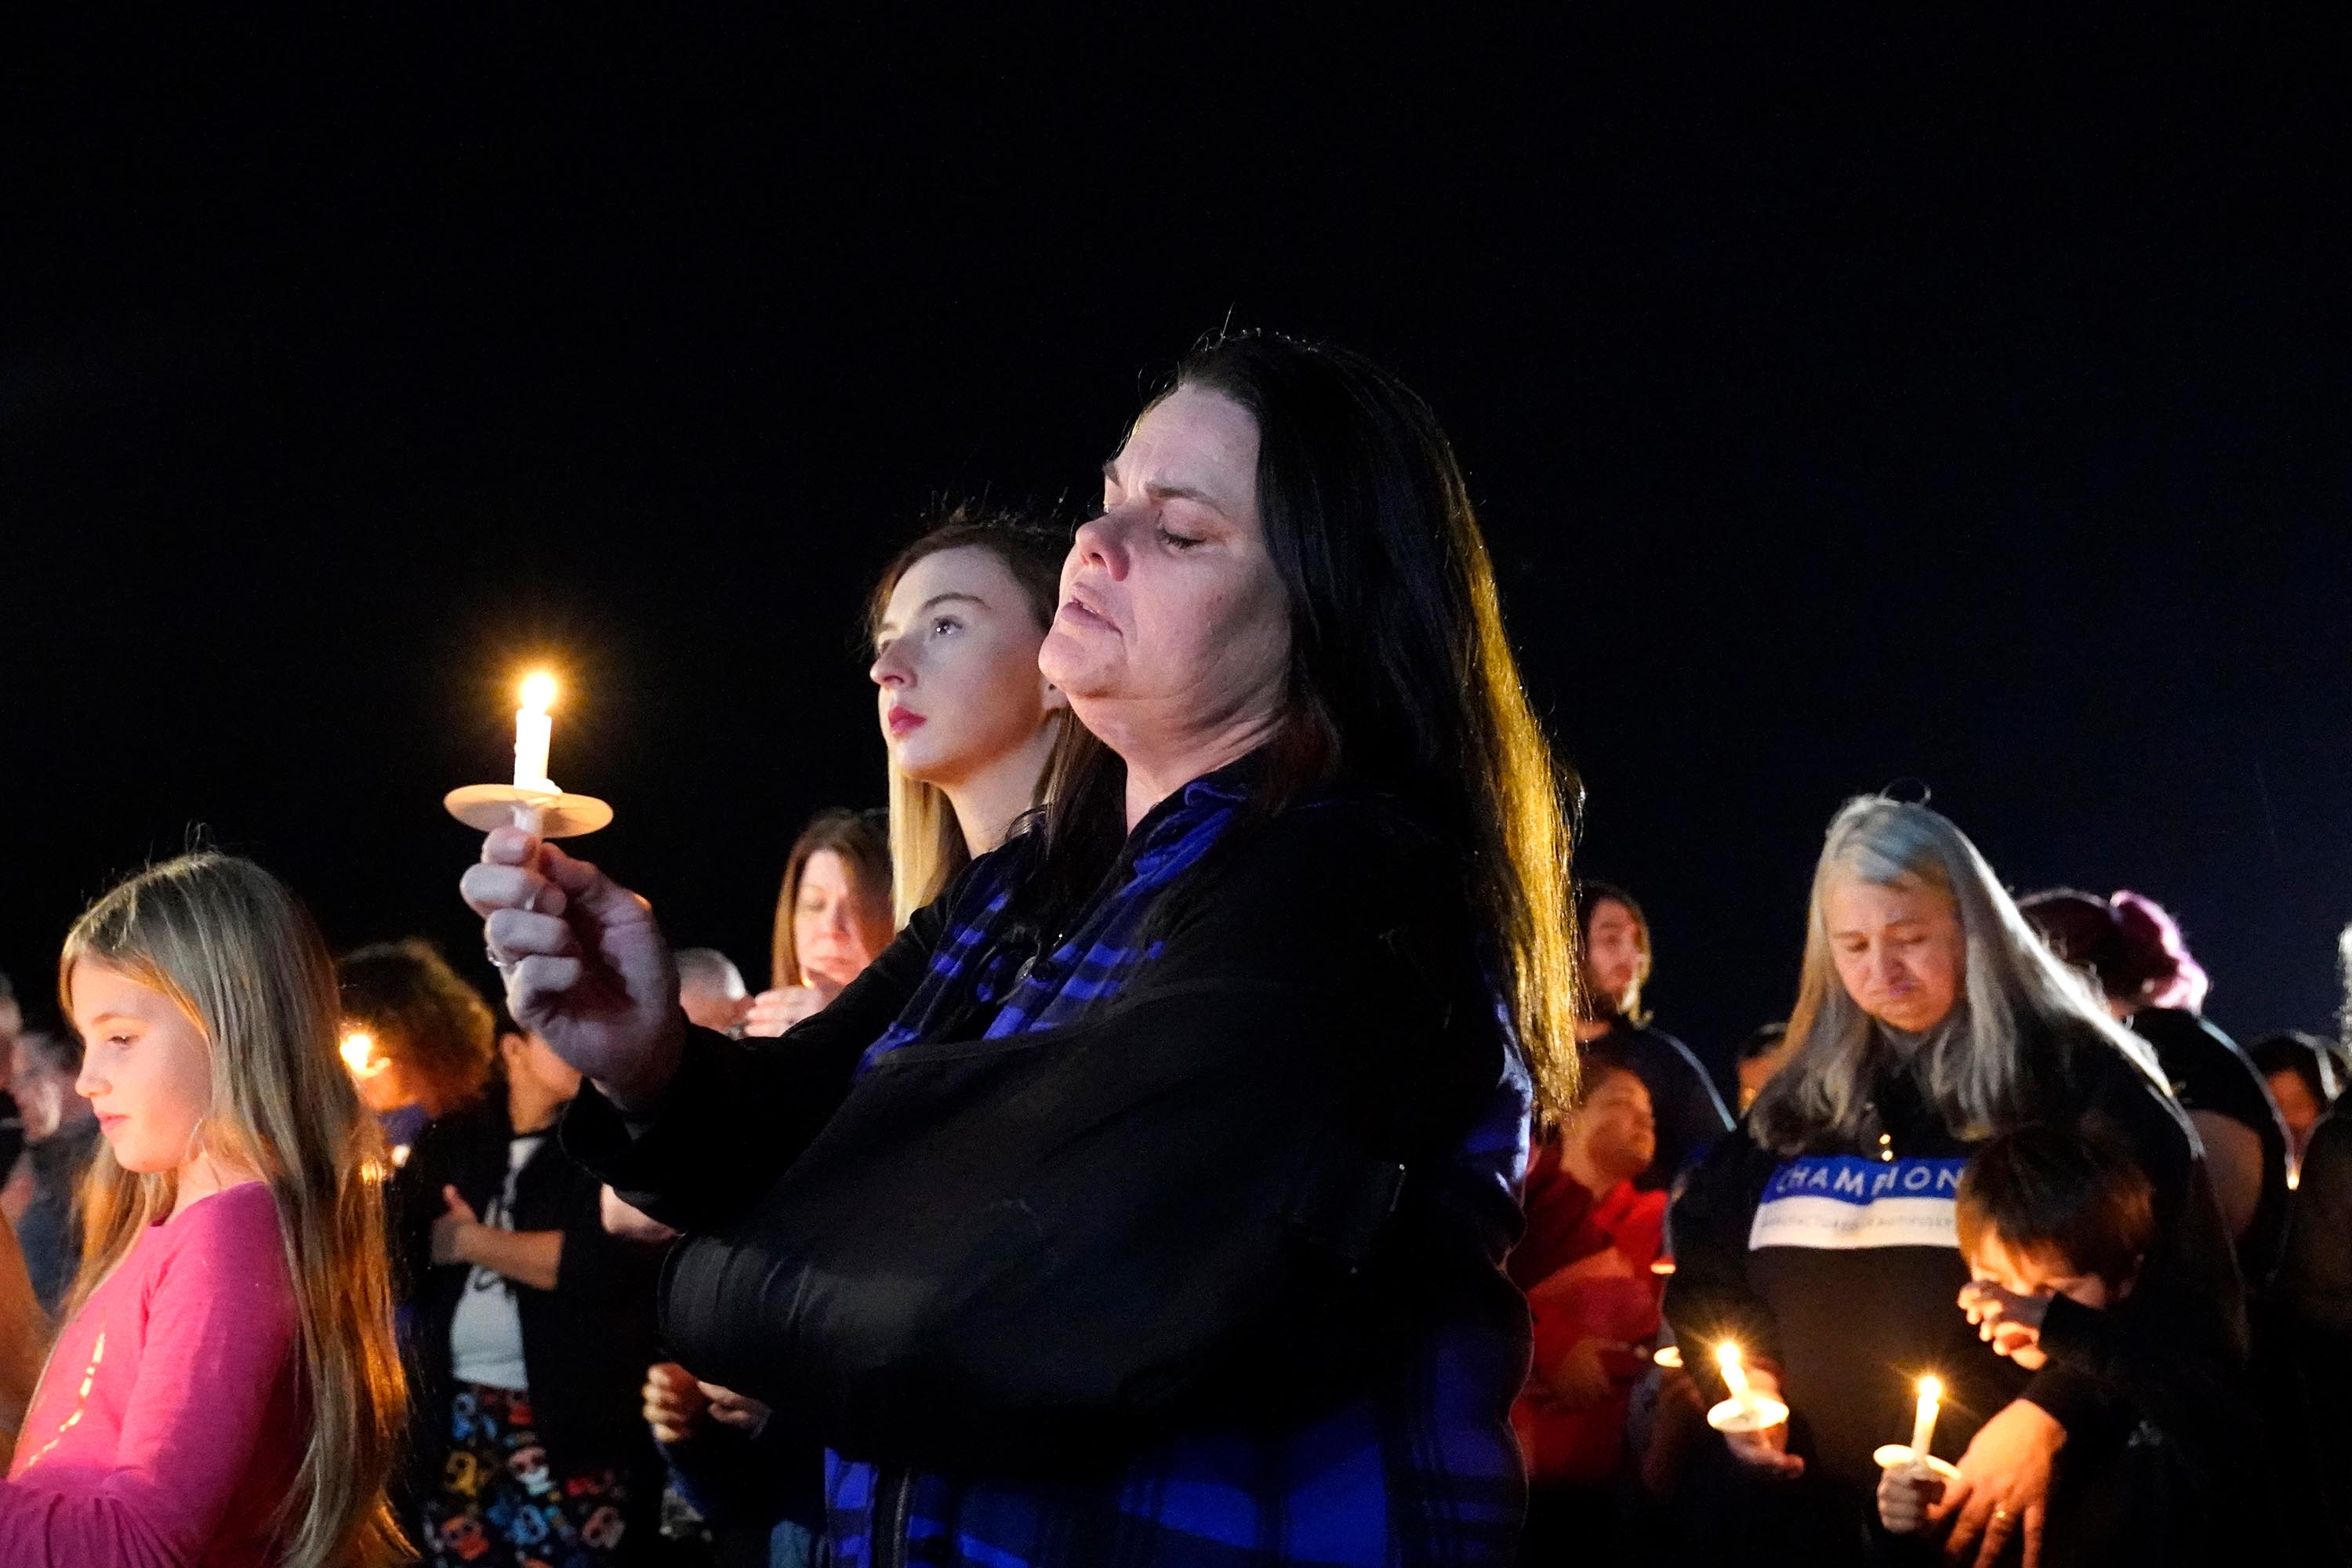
(885, 627)
(1166, 492)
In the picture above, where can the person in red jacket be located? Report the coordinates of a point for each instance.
(1585, 1265)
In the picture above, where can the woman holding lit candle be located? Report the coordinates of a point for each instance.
(1146, 1202)
(1822, 1238)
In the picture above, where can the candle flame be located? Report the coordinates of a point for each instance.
(537, 690)
(359, 1054)
(1931, 1388)
(1726, 1355)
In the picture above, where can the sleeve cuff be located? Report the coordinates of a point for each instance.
(2071, 1332)
(2071, 1396)
(629, 1150)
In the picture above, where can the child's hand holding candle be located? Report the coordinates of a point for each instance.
(1906, 1493)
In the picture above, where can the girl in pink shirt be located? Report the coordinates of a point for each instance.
(225, 1389)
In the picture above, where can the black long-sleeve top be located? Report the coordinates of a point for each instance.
(586, 1343)
(1841, 1266)
(2169, 1467)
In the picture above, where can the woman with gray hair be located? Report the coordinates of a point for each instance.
(1821, 1237)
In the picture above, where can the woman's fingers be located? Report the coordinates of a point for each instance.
(535, 982)
(1971, 1522)
(2032, 1527)
(2001, 1528)
(519, 933)
(488, 888)
(596, 895)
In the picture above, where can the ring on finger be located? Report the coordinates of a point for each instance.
(491, 950)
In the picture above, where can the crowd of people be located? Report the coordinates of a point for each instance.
(1200, 1121)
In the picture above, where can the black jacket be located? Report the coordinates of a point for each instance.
(586, 1343)
(2166, 1466)
(1171, 1213)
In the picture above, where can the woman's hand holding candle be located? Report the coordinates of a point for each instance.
(2003, 1487)
(586, 968)
(1767, 1449)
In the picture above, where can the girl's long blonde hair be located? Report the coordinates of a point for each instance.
(2019, 1007)
(234, 948)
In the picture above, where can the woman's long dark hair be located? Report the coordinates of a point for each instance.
(1399, 667)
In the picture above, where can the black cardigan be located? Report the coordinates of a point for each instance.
(586, 1343)
(1319, 1001)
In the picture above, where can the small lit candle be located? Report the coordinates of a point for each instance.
(532, 729)
(1923, 1426)
(359, 1055)
(1735, 1376)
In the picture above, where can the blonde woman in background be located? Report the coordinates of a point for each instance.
(970, 724)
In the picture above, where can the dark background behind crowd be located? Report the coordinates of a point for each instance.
(1845, 405)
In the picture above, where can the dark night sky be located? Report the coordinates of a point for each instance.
(1844, 407)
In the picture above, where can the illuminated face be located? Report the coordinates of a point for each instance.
(1617, 1127)
(2034, 1274)
(146, 1067)
(1615, 961)
(1899, 950)
(829, 932)
(1173, 621)
(955, 660)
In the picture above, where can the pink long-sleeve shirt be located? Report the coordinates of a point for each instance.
(169, 1425)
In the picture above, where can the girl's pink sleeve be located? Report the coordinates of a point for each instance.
(215, 1390)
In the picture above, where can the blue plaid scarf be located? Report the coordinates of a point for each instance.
(1424, 1469)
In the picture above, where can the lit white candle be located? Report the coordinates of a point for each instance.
(1735, 1376)
(533, 730)
(1923, 1426)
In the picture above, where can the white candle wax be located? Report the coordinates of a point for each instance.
(1923, 1426)
(1735, 1376)
(533, 729)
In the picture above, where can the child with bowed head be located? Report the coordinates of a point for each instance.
(2055, 1226)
